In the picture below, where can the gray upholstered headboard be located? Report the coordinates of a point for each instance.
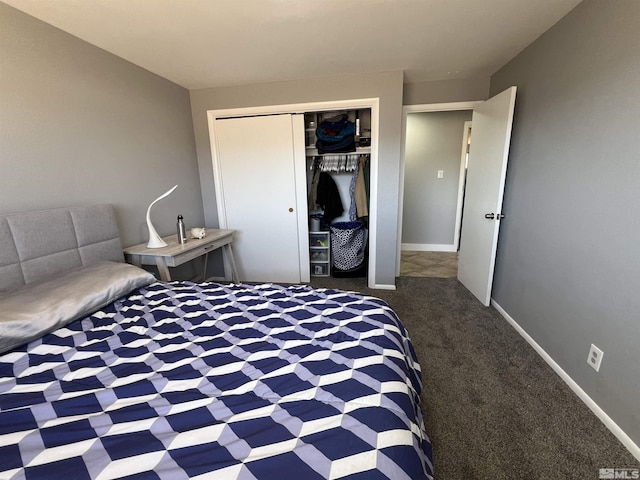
(38, 245)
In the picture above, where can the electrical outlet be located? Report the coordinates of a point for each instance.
(440, 173)
(595, 357)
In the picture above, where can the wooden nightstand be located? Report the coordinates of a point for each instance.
(175, 254)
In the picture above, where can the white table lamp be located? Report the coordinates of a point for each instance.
(154, 239)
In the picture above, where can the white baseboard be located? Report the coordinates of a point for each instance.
(428, 247)
(593, 406)
(383, 286)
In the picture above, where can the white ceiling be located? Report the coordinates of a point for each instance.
(210, 43)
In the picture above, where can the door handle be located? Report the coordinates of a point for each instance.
(490, 216)
(290, 210)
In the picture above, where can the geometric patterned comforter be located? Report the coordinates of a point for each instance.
(188, 381)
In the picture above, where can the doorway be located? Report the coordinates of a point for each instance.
(435, 152)
(483, 189)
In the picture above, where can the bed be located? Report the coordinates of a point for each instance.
(107, 373)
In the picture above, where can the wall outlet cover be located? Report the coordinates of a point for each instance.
(595, 357)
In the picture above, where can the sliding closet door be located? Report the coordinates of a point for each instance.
(257, 167)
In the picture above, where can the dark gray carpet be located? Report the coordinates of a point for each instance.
(492, 407)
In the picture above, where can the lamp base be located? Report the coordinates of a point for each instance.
(156, 242)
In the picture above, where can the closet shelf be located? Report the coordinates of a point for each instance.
(313, 152)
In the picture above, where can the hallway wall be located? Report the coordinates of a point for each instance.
(433, 142)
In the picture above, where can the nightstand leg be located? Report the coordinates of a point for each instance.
(235, 278)
(204, 267)
(163, 269)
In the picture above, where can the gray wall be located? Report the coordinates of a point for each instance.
(569, 251)
(79, 126)
(386, 86)
(433, 142)
(442, 91)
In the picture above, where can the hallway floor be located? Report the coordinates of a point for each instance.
(428, 264)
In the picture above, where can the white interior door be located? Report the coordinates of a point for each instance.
(256, 163)
(484, 191)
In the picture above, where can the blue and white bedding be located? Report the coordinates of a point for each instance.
(181, 380)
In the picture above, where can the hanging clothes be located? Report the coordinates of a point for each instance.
(360, 193)
(328, 197)
(353, 211)
(313, 190)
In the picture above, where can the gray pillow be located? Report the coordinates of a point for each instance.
(39, 308)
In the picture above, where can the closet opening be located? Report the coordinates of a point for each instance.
(338, 153)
